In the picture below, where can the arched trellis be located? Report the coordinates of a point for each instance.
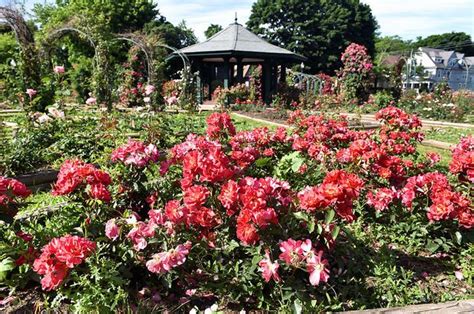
(24, 36)
(58, 33)
(138, 42)
(312, 83)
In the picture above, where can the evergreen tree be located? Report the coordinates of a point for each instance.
(317, 29)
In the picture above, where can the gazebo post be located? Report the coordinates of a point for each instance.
(267, 81)
(240, 70)
(283, 73)
(226, 73)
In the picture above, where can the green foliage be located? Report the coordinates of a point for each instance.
(212, 30)
(316, 29)
(457, 41)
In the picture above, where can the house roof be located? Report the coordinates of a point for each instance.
(236, 40)
(392, 60)
(469, 60)
(445, 55)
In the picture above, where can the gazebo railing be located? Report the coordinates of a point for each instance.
(312, 84)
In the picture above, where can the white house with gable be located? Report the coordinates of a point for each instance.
(428, 67)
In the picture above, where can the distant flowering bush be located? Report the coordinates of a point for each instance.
(59, 69)
(356, 72)
(462, 163)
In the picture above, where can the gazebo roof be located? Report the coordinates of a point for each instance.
(236, 40)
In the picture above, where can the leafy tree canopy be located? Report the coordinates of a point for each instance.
(118, 15)
(178, 36)
(317, 29)
(458, 41)
(212, 30)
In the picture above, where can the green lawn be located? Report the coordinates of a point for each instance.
(449, 135)
(249, 124)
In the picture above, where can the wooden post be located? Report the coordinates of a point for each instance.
(283, 73)
(240, 71)
(226, 77)
(267, 82)
(226, 73)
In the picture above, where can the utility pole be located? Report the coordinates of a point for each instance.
(409, 69)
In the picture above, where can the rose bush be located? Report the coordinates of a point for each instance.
(256, 219)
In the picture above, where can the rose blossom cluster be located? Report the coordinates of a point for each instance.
(257, 202)
(202, 160)
(318, 136)
(445, 203)
(11, 189)
(76, 174)
(339, 189)
(396, 118)
(463, 159)
(297, 254)
(218, 125)
(136, 153)
(248, 146)
(163, 262)
(59, 256)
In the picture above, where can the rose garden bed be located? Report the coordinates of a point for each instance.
(317, 218)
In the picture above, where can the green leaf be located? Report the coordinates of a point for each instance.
(301, 216)
(458, 237)
(335, 232)
(311, 225)
(262, 162)
(6, 266)
(329, 216)
(432, 246)
(297, 307)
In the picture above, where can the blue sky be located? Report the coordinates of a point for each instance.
(407, 18)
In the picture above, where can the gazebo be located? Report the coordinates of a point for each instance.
(223, 57)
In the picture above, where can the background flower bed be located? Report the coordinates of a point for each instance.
(384, 258)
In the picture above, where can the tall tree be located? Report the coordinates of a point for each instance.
(118, 15)
(457, 41)
(317, 29)
(212, 30)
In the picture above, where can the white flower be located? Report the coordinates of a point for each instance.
(55, 113)
(193, 311)
(208, 311)
(43, 118)
(146, 99)
(242, 312)
(214, 307)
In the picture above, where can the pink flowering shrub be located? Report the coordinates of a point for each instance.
(252, 217)
(356, 72)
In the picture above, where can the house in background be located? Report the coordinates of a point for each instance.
(428, 67)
